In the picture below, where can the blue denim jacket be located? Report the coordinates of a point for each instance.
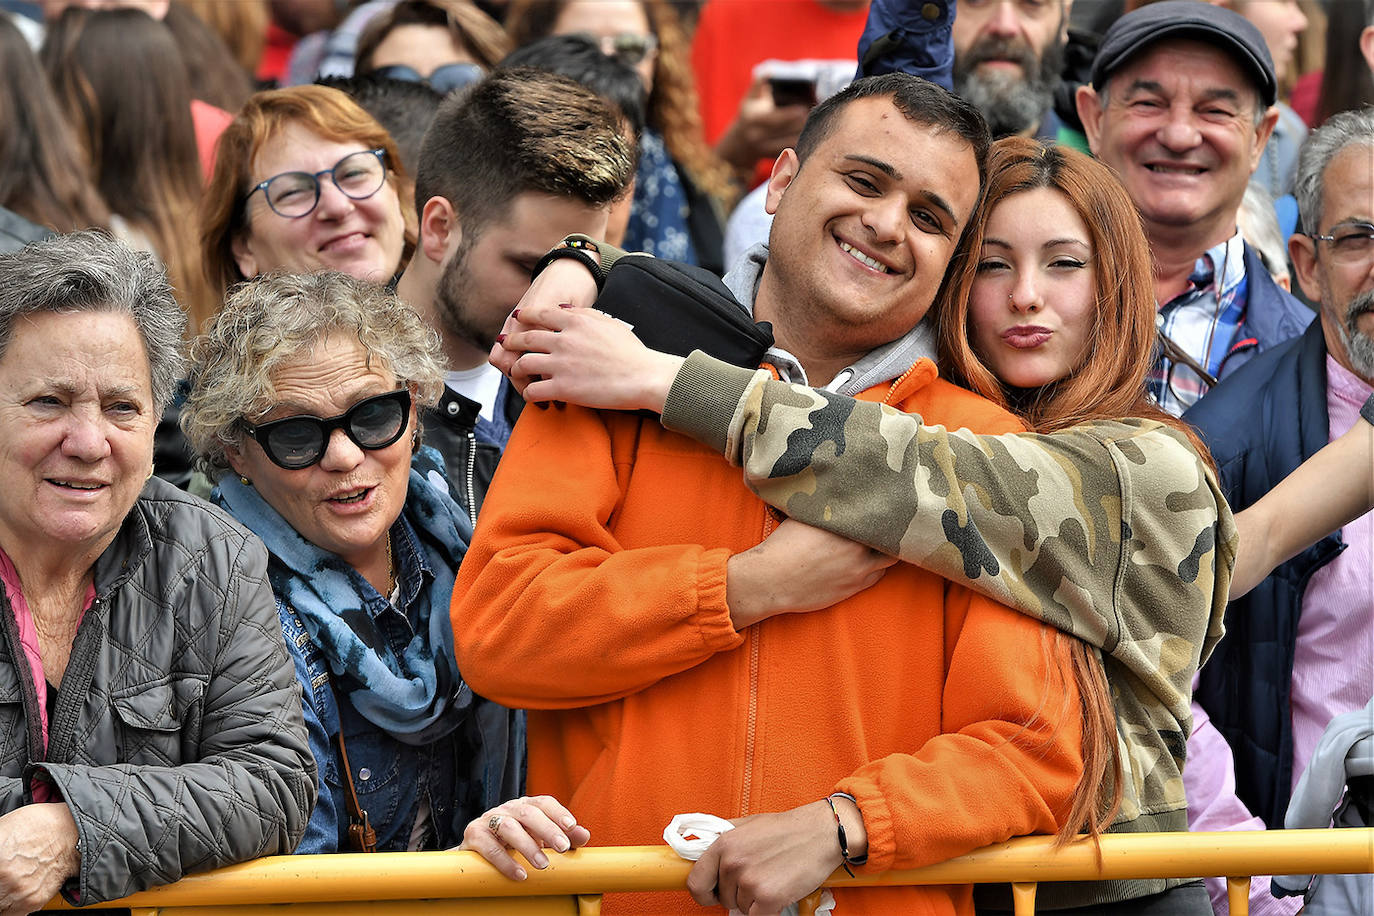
(478, 766)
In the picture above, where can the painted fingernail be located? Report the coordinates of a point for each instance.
(500, 338)
(515, 314)
(542, 405)
(561, 843)
(520, 874)
(565, 305)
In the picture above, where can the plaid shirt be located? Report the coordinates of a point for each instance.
(1202, 320)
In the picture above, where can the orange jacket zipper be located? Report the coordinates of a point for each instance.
(752, 717)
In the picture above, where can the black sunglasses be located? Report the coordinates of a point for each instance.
(300, 441)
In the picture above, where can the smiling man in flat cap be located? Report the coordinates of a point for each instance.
(1181, 105)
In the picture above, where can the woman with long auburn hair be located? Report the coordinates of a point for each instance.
(1121, 335)
(44, 179)
(119, 76)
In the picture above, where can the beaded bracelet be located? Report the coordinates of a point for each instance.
(846, 859)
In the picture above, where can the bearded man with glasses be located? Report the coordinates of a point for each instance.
(1300, 647)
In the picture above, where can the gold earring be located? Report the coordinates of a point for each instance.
(245, 481)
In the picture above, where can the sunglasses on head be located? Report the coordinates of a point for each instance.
(444, 79)
(629, 47)
(300, 441)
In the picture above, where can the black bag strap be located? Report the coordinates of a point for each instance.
(677, 308)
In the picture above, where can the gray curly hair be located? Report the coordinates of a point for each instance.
(270, 321)
(90, 271)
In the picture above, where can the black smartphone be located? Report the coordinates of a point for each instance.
(792, 91)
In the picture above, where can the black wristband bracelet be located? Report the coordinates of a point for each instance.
(846, 859)
(1367, 411)
(577, 254)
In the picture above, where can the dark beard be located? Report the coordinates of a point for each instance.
(453, 291)
(1011, 105)
(1359, 347)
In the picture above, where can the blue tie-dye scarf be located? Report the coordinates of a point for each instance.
(417, 696)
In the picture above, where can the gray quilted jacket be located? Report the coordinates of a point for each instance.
(176, 739)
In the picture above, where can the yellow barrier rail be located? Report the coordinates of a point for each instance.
(462, 882)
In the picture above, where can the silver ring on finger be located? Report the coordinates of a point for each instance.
(494, 823)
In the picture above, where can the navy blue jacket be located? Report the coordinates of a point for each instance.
(1273, 316)
(1261, 423)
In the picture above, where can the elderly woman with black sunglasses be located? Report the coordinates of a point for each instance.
(305, 180)
(303, 405)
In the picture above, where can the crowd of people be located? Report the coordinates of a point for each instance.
(1040, 502)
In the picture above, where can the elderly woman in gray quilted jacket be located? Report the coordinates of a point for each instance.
(150, 723)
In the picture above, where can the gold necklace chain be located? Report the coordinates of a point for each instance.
(390, 569)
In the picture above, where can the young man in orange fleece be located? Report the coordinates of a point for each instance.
(628, 589)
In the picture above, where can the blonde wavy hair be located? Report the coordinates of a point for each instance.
(273, 320)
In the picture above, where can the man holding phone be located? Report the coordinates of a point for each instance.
(744, 118)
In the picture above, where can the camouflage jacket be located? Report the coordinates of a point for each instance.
(1114, 531)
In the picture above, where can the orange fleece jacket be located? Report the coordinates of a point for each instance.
(594, 595)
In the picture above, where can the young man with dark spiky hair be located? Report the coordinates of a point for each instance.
(506, 171)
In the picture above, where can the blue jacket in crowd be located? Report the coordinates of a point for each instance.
(1261, 423)
(1273, 316)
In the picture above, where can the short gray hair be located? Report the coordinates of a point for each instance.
(1348, 128)
(89, 271)
(269, 321)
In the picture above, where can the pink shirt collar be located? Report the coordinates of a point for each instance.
(28, 640)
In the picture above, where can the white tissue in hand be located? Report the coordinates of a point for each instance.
(690, 834)
(702, 830)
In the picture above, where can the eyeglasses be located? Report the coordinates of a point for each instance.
(295, 194)
(1352, 243)
(444, 79)
(300, 441)
(630, 47)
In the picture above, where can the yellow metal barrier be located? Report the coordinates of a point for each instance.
(461, 882)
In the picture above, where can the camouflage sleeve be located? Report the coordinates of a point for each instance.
(1113, 531)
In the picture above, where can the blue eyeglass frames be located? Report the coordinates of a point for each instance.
(295, 194)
